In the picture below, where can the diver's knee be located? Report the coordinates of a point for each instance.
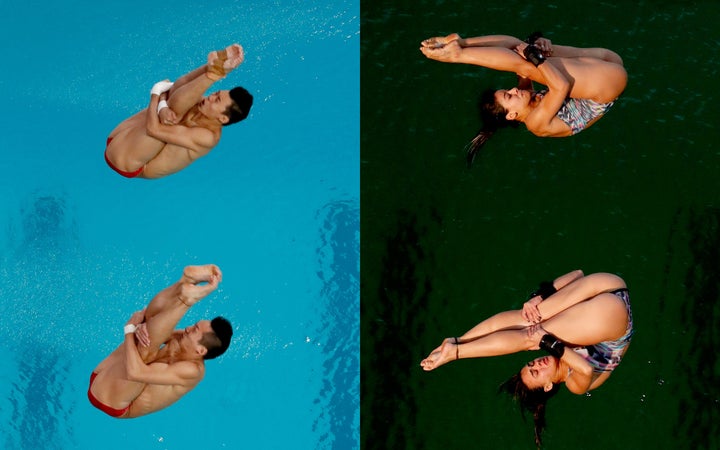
(607, 281)
(611, 56)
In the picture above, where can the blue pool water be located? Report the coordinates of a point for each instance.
(275, 205)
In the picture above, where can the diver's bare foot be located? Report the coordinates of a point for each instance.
(222, 62)
(439, 41)
(235, 57)
(445, 353)
(446, 53)
(192, 293)
(199, 274)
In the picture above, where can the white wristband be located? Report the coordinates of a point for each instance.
(163, 104)
(129, 328)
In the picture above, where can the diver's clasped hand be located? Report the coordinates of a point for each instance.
(543, 46)
(530, 312)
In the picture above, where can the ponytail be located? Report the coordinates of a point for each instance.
(493, 118)
(474, 146)
(531, 400)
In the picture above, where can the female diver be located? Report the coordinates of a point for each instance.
(582, 83)
(583, 322)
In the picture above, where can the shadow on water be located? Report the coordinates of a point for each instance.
(404, 289)
(699, 409)
(42, 239)
(39, 413)
(43, 242)
(338, 257)
(47, 228)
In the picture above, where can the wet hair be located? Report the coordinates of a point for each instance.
(218, 340)
(492, 115)
(239, 109)
(532, 400)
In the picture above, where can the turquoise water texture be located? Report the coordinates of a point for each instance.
(444, 247)
(275, 205)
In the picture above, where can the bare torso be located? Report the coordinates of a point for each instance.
(132, 148)
(113, 388)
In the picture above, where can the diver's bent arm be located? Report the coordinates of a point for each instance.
(525, 83)
(182, 373)
(599, 380)
(196, 139)
(579, 380)
(543, 120)
(133, 362)
(152, 121)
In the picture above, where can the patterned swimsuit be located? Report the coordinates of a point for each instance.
(578, 112)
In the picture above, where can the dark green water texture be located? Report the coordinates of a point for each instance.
(444, 246)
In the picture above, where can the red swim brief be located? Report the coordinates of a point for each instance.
(101, 406)
(121, 172)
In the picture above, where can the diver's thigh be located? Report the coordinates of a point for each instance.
(601, 318)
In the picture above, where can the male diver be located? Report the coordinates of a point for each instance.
(138, 380)
(180, 125)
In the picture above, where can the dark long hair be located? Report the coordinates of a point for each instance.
(493, 118)
(532, 400)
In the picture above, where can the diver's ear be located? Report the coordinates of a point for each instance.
(223, 119)
(201, 350)
(511, 115)
(548, 387)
